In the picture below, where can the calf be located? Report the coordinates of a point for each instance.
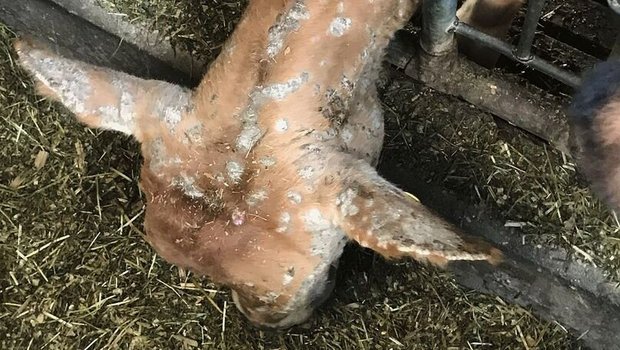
(594, 117)
(259, 177)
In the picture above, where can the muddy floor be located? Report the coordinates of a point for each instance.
(76, 273)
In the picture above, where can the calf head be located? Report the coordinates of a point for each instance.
(259, 177)
(594, 117)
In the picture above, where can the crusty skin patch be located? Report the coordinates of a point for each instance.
(259, 177)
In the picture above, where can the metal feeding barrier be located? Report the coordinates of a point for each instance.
(433, 60)
(436, 35)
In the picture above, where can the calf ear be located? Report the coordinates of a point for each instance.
(594, 118)
(104, 98)
(382, 217)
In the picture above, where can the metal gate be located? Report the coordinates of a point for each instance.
(432, 60)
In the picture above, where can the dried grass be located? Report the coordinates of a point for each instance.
(487, 161)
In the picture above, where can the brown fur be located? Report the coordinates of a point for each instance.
(600, 160)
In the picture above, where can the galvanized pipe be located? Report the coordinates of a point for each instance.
(506, 49)
(438, 16)
(526, 107)
(524, 48)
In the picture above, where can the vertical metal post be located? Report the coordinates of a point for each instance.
(524, 47)
(438, 17)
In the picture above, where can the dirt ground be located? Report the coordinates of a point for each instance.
(79, 274)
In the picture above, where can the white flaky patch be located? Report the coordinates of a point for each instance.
(267, 161)
(346, 134)
(294, 197)
(284, 221)
(345, 202)
(326, 135)
(117, 120)
(249, 136)
(281, 125)
(235, 171)
(324, 233)
(288, 22)
(256, 197)
(307, 172)
(173, 102)
(159, 156)
(188, 185)
(250, 131)
(280, 91)
(67, 78)
(121, 117)
(347, 84)
(269, 298)
(339, 26)
(376, 118)
(328, 243)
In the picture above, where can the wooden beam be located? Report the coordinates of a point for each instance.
(77, 38)
(135, 33)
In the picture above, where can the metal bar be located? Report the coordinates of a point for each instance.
(506, 49)
(438, 16)
(527, 107)
(524, 47)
